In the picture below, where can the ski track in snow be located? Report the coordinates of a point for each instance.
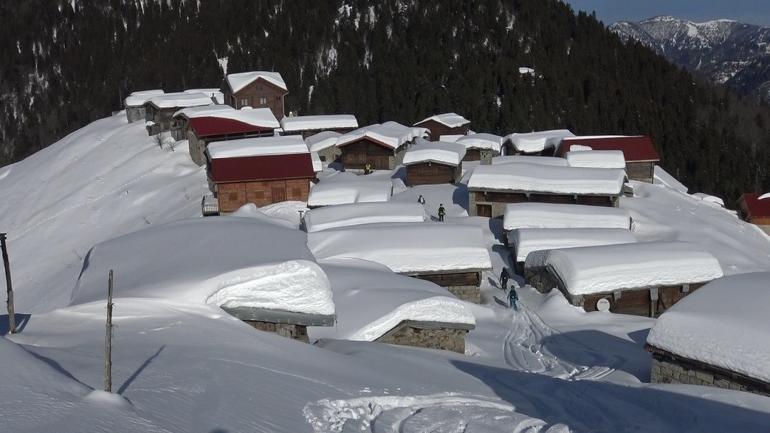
(445, 412)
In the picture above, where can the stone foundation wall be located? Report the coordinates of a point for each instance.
(441, 338)
(295, 332)
(466, 293)
(667, 371)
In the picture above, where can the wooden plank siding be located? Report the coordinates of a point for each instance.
(641, 171)
(357, 154)
(255, 94)
(233, 195)
(636, 302)
(431, 173)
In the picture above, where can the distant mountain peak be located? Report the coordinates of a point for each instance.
(726, 51)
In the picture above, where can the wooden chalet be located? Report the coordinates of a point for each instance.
(202, 126)
(134, 104)
(310, 125)
(381, 146)
(755, 209)
(256, 89)
(159, 110)
(492, 187)
(261, 170)
(642, 279)
(638, 151)
(539, 143)
(444, 124)
(434, 162)
(481, 147)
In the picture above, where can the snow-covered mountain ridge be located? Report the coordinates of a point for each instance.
(728, 52)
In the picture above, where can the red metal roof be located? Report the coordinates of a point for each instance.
(755, 207)
(638, 148)
(266, 167)
(214, 126)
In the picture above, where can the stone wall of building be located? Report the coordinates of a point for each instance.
(466, 293)
(667, 371)
(295, 332)
(440, 338)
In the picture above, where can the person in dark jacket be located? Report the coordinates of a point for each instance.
(441, 212)
(504, 276)
(421, 199)
(513, 299)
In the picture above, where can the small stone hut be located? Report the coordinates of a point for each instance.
(134, 103)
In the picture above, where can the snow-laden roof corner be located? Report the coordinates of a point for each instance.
(322, 140)
(242, 79)
(450, 138)
(601, 269)
(547, 179)
(389, 134)
(662, 177)
(528, 240)
(406, 248)
(532, 142)
(257, 146)
(764, 196)
(530, 159)
(556, 216)
(724, 324)
(335, 192)
(370, 300)
(297, 286)
(345, 215)
(180, 99)
(190, 260)
(261, 117)
(140, 97)
(318, 165)
(596, 158)
(450, 120)
(309, 123)
(481, 141)
(434, 151)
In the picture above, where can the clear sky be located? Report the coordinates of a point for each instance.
(609, 11)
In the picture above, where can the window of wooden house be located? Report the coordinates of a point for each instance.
(262, 101)
(244, 103)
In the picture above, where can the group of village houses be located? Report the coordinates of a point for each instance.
(556, 193)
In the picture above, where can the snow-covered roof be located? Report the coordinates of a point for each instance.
(242, 79)
(180, 99)
(262, 117)
(202, 110)
(481, 141)
(532, 142)
(318, 165)
(390, 134)
(257, 146)
(322, 140)
(309, 123)
(139, 98)
(547, 179)
(371, 300)
(557, 216)
(434, 151)
(528, 240)
(345, 215)
(608, 268)
(530, 159)
(596, 158)
(450, 138)
(662, 177)
(216, 260)
(450, 120)
(213, 92)
(333, 192)
(406, 248)
(724, 324)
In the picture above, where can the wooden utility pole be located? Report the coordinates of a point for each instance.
(108, 339)
(9, 287)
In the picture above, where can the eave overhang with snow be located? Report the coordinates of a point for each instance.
(318, 123)
(450, 120)
(537, 178)
(262, 158)
(241, 80)
(635, 148)
(535, 142)
(438, 152)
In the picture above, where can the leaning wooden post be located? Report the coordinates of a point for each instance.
(11, 310)
(108, 339)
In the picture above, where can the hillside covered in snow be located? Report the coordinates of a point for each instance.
(108, 197)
